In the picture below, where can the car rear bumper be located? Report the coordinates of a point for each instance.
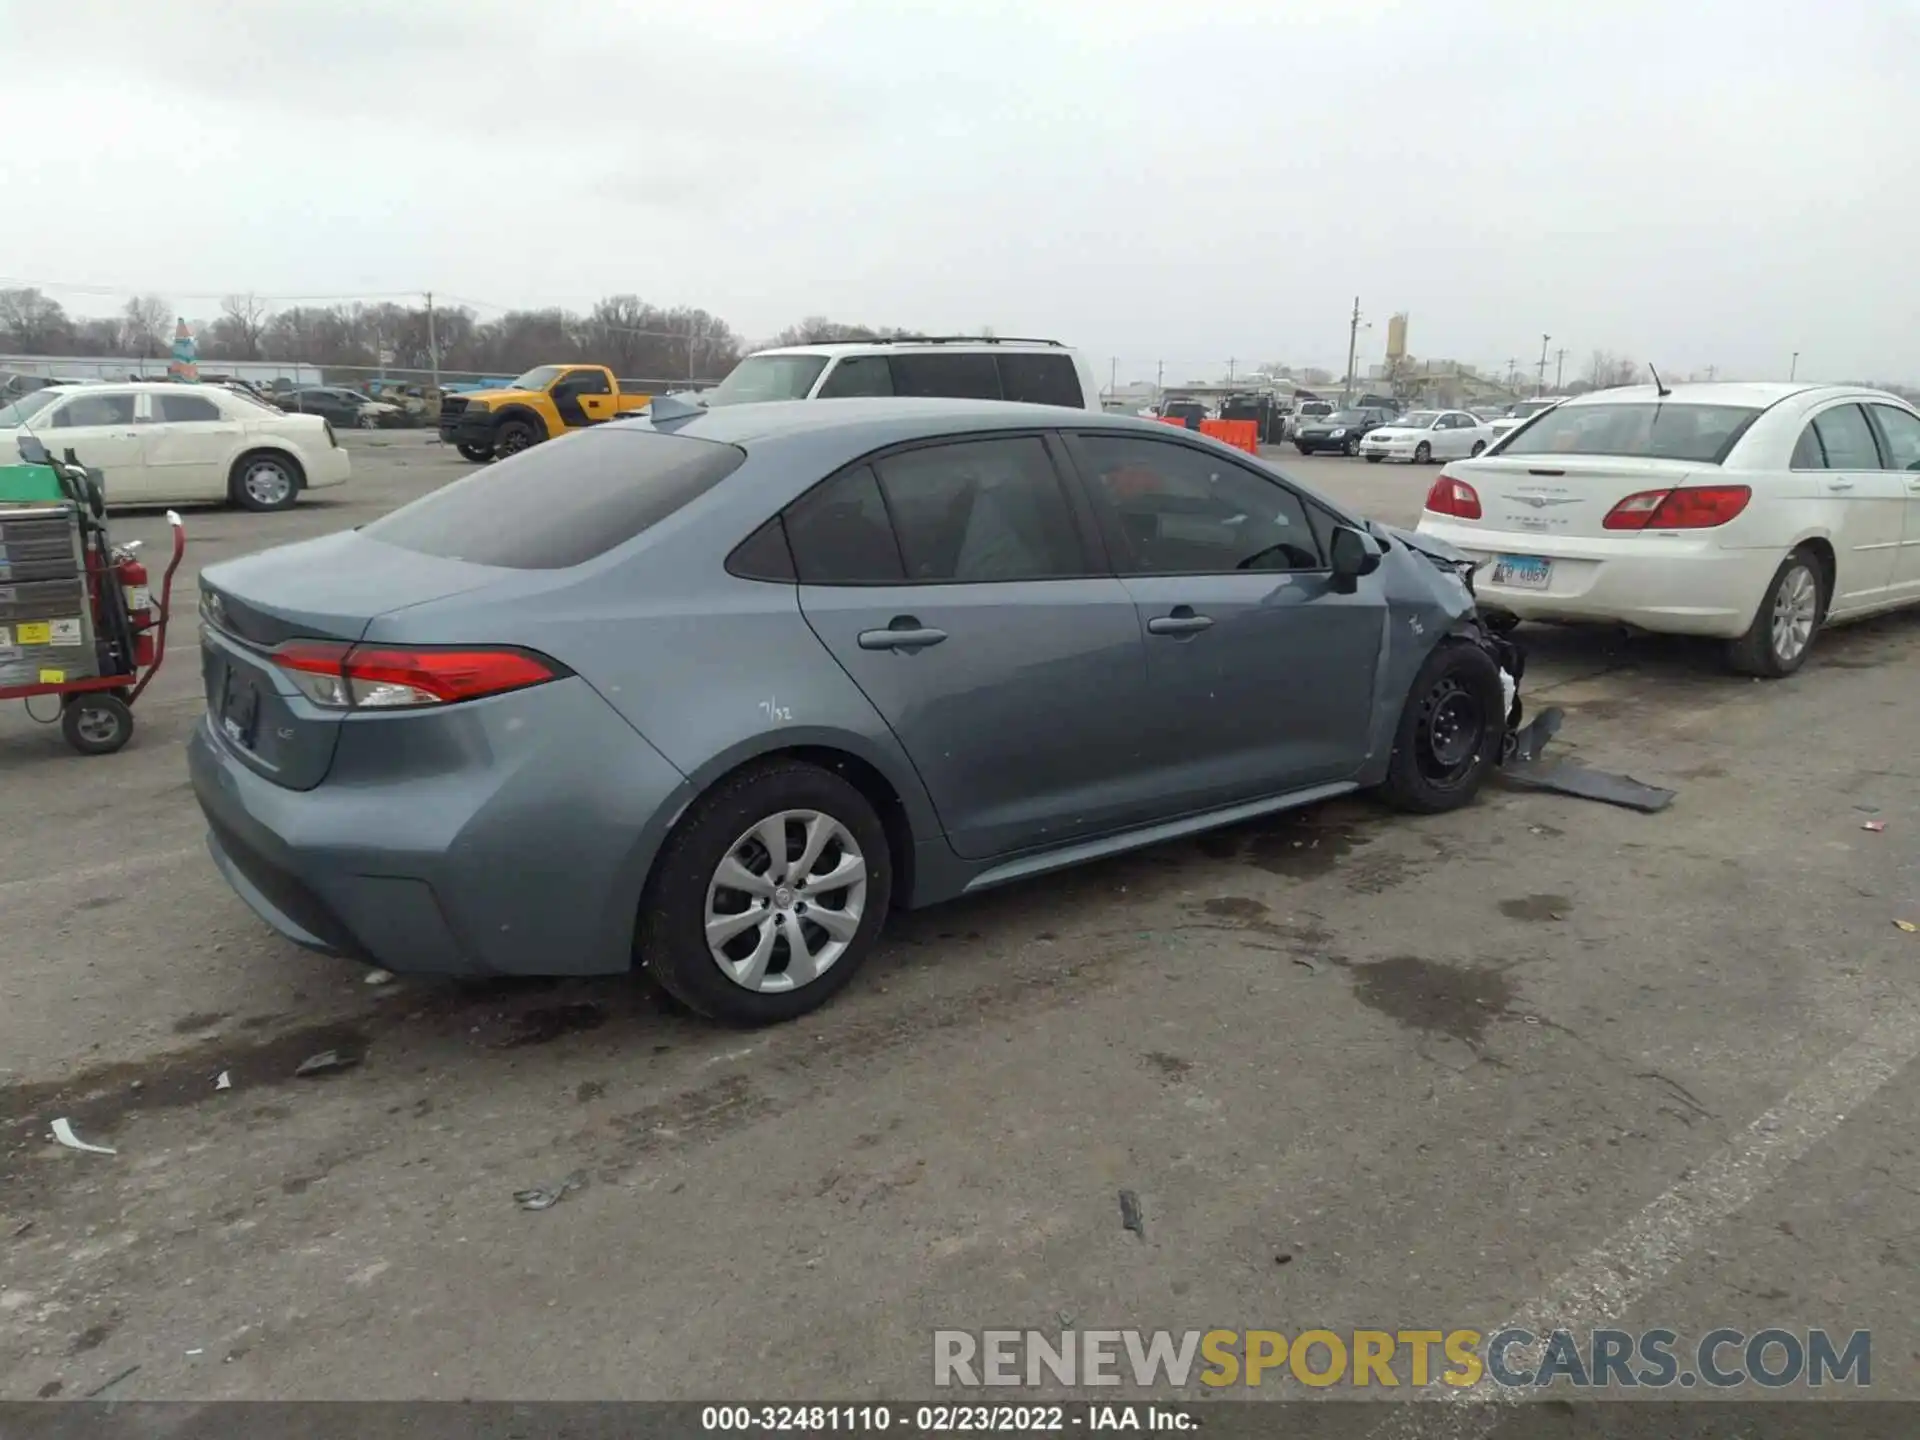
(504, 837)
(1667, 585)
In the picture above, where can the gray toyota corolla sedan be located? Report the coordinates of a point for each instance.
(711, 692)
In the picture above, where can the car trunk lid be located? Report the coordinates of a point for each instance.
(1558, 497)
(327, 589)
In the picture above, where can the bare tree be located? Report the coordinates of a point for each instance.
(34, 323)
(241, 327)
(143, 326)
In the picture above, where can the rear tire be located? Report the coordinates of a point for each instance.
(265, 480)
(1478, 446)
(479, 454)
(1787, 622)
(1450, 732)
(716, 867)
(1422, 453)
(96, 724)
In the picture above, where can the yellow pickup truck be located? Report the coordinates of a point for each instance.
(548, 400)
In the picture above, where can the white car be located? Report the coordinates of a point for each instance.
(1423, 435)
(170, 444)
(1754, 513)
(1522, 411)
(959, 368)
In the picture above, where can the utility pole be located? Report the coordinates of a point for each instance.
(1559, 368)
(1513, 372)
(1230, 365)
(1793, 370)
(1159, 377)
(1542, 387)
(1353, 346)
(1712, 370)
(1113, 375)
(433, 343)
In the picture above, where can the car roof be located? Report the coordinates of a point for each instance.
(882, 420)
(1754, 394)
(832, 348)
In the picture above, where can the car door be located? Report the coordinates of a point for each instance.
(1457, 437)
(958, 584)
(1900, 445)
(99, 427)
(186, 441)
(1260, 674)
(1837, 459)
(582, 397)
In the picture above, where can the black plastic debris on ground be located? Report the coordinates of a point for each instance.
(1131, 1216)
(1524, 769)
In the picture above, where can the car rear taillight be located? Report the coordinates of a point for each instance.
(391, 677)
(1699, 508)
(1454, 497)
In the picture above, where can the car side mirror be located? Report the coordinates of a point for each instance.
(1353, 556)
(33, 452)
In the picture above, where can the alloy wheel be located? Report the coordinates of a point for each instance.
(267, 482)
(1796, 606)
(786, 901)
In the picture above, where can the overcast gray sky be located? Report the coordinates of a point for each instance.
(1699, 182)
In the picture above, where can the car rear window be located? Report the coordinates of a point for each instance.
(560, 503)
(1659, 430)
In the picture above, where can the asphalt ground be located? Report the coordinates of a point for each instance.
(1541, 1058)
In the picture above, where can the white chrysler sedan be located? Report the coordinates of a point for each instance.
(1423, 435)
(1753, 513)
(170, 444)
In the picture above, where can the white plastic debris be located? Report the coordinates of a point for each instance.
(63, 1132)
(223, 1081)
(1509, 688)
(378, 977)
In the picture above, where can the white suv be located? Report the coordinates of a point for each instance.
(1042, 372)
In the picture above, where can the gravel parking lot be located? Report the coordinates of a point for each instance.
(1541, 1057)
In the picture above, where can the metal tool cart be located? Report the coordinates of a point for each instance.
(78, 619)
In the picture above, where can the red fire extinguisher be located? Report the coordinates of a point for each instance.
(132, 576)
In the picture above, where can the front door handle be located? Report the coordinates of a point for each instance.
(1181, 622)
(1840, 484)
(903, 632)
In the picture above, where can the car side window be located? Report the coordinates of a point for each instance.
(1847, 439)
(951, 376)
(1171, 509)
(840, 533)
(586, 382)
(1041, 380)
(981, 510)
(858, 375)
(1902, 432)
(85, 410)
(174, 409)
(1807, 454)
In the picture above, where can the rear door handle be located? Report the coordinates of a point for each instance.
(1181, 622)
(903, 633)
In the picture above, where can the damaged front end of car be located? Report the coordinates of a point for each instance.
(1454, 596)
